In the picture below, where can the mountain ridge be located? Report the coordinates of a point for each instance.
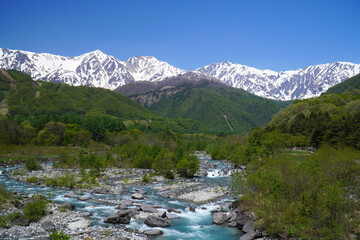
(98, 69)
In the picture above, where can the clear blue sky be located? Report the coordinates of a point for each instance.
(266, 34)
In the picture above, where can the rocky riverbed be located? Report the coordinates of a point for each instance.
(120, 205)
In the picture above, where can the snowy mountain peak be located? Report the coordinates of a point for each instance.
(284, 85)
(98, 69)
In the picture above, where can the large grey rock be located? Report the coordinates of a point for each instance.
(232, 224)
(71, 195)
(84, 214)
(119, 217)
(248, 227)
(248, 236)
(100, 190)
(79, 224)
(138, 196)
(219, 217)
(68, 205)
(148, 208)
(225, 207)
(154, 232)
(48, 226)
(84, 198)
(241, 218)
(173, 210)
(154, 221)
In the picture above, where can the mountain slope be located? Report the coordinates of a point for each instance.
(29, 98)
(348, 85)
(208, 101)
(285, 85)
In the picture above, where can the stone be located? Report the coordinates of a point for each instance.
(148, 208)
(137, 196)
(85, 214)
(192, 209)
(48, 226)
(241, 219)
(225, 207)
(71, 195)
(79, 224)
(154, 221)
(161, 214)
(248, 236)
(248, 227)
(84, 198)
(173, 210)
(154, 232)
(219, 217)
(100, 190)
(68, 205)
(232, 224)
(172, 216)
(119, 217)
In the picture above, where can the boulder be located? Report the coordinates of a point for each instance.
(161, 214)
(154, 221)
(84, 198)
(232, 224)
(248, 236)
(154, 232)
(84, 214)
(173, 210)
(241, 218)
(248, 227)
(225, 207)
(79, 224)
(71, 195)
(137, 196)
(48, 226)
(120, 217)
(192, 209)
(100, 190)
(219, 217)
(148, 208)
(68, 205)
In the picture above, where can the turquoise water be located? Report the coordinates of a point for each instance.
(191, 225)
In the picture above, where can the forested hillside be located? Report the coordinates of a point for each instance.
(214, 105)
(351, 85)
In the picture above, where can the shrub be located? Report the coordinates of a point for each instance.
(35, 210)
(55, 235)
(32, 165)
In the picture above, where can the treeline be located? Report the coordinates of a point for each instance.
(165, 152)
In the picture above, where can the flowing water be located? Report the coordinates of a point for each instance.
(191, 225)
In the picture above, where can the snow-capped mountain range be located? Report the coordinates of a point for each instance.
(98, 69)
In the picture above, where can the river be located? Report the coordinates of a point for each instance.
(191, 225)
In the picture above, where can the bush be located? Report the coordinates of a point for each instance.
(55, 235)
(188, 166)
(32, 165)
(35, 210)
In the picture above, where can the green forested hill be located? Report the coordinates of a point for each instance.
(214, 105)
(27, 97)
(351, 85)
